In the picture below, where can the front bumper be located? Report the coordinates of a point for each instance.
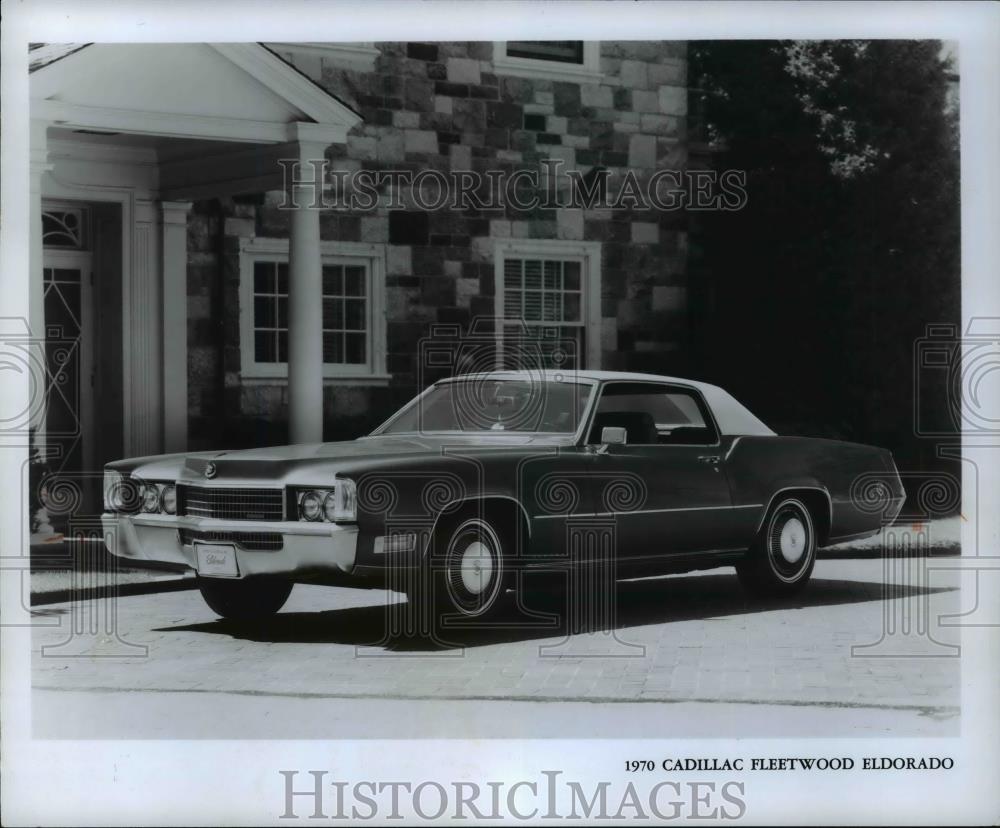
(305, 548)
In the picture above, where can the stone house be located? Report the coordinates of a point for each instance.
(207, 312)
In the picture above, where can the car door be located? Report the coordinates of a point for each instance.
(665, 487)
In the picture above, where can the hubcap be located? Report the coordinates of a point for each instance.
(473, 568)
(476, 567)
(792, 543)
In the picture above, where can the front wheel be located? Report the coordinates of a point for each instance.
(243, 600)
(463, 577)
(782, 557)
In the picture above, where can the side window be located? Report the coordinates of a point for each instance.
(654, 415)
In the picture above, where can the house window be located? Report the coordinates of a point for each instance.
(353, 330)
(548, 301)
(566, 60)
(561, 51)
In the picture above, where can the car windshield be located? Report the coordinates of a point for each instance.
(490, 406)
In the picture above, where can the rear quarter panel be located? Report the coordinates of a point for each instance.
(758, 468)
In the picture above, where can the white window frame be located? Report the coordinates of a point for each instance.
(587, 72)
(589, 255)
(331, 252)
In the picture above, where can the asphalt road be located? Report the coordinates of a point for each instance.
(865, 650)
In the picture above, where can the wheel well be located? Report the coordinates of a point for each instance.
(504, 513)
(818, 505)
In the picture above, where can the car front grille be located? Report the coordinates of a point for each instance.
(254, 541)
(230, 503)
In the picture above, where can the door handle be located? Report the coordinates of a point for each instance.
(711, 459)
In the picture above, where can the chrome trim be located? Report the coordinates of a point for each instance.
(224, 502)
(735, 441)
(650, 511)
(770, 503)
(474, 498)
(669, 384)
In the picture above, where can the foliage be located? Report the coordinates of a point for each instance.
(809, 300)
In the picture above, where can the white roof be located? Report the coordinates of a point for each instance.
(732, 416)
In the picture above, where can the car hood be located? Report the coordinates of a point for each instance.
(294, 462)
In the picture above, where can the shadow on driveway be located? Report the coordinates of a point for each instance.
(639, 604)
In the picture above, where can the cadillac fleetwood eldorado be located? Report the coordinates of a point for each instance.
(485, 481)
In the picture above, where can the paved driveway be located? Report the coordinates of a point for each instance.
(688, 656)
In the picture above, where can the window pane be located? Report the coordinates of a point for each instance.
(283, 278)
(512, 304)
(354, 314)
(571, 275)
(263, 277)
(571, 307)
(551, 308)
(333, 280)
(263, 312)
(282, 312)
(532, 310)
(552, 275)
(263, 346)
(354, 281)
(333, 347)
(282, 346)
(355, 348)
(533, 274)
(561, 51)
(512, 273)
(333, 314)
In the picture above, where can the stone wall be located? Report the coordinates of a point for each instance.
(444, 106)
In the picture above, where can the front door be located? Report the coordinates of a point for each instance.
(666, 487)
(69, 347)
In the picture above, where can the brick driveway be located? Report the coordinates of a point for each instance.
(689, 640)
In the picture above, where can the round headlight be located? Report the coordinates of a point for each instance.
(310, 505)
(330, 507)
(168, 499)
(150, 498)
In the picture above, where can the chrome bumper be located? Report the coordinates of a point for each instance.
(305, 546)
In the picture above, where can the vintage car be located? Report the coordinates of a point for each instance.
(487, 482)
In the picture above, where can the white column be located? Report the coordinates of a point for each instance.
(144, 335)
(305, 300)
(175, 402)
(38, 166)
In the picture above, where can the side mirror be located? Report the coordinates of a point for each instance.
(612, 436)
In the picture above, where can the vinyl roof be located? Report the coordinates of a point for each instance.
(732, 417)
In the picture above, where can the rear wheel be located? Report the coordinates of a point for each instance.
(782, 557)
(243, 600)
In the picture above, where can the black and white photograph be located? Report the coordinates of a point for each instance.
(400, 423)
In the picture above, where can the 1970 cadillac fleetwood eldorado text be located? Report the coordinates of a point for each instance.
(487, 481)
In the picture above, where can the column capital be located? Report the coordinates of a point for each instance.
(313, 139)
(175, 212)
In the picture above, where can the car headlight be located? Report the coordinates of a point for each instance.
(150, 498)
(330, 507)
(336, 505)
(168, 499)
(128, 495)
(310, 504)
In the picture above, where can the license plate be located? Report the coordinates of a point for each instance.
(216, 561)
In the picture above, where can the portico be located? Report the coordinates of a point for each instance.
(124, 139)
